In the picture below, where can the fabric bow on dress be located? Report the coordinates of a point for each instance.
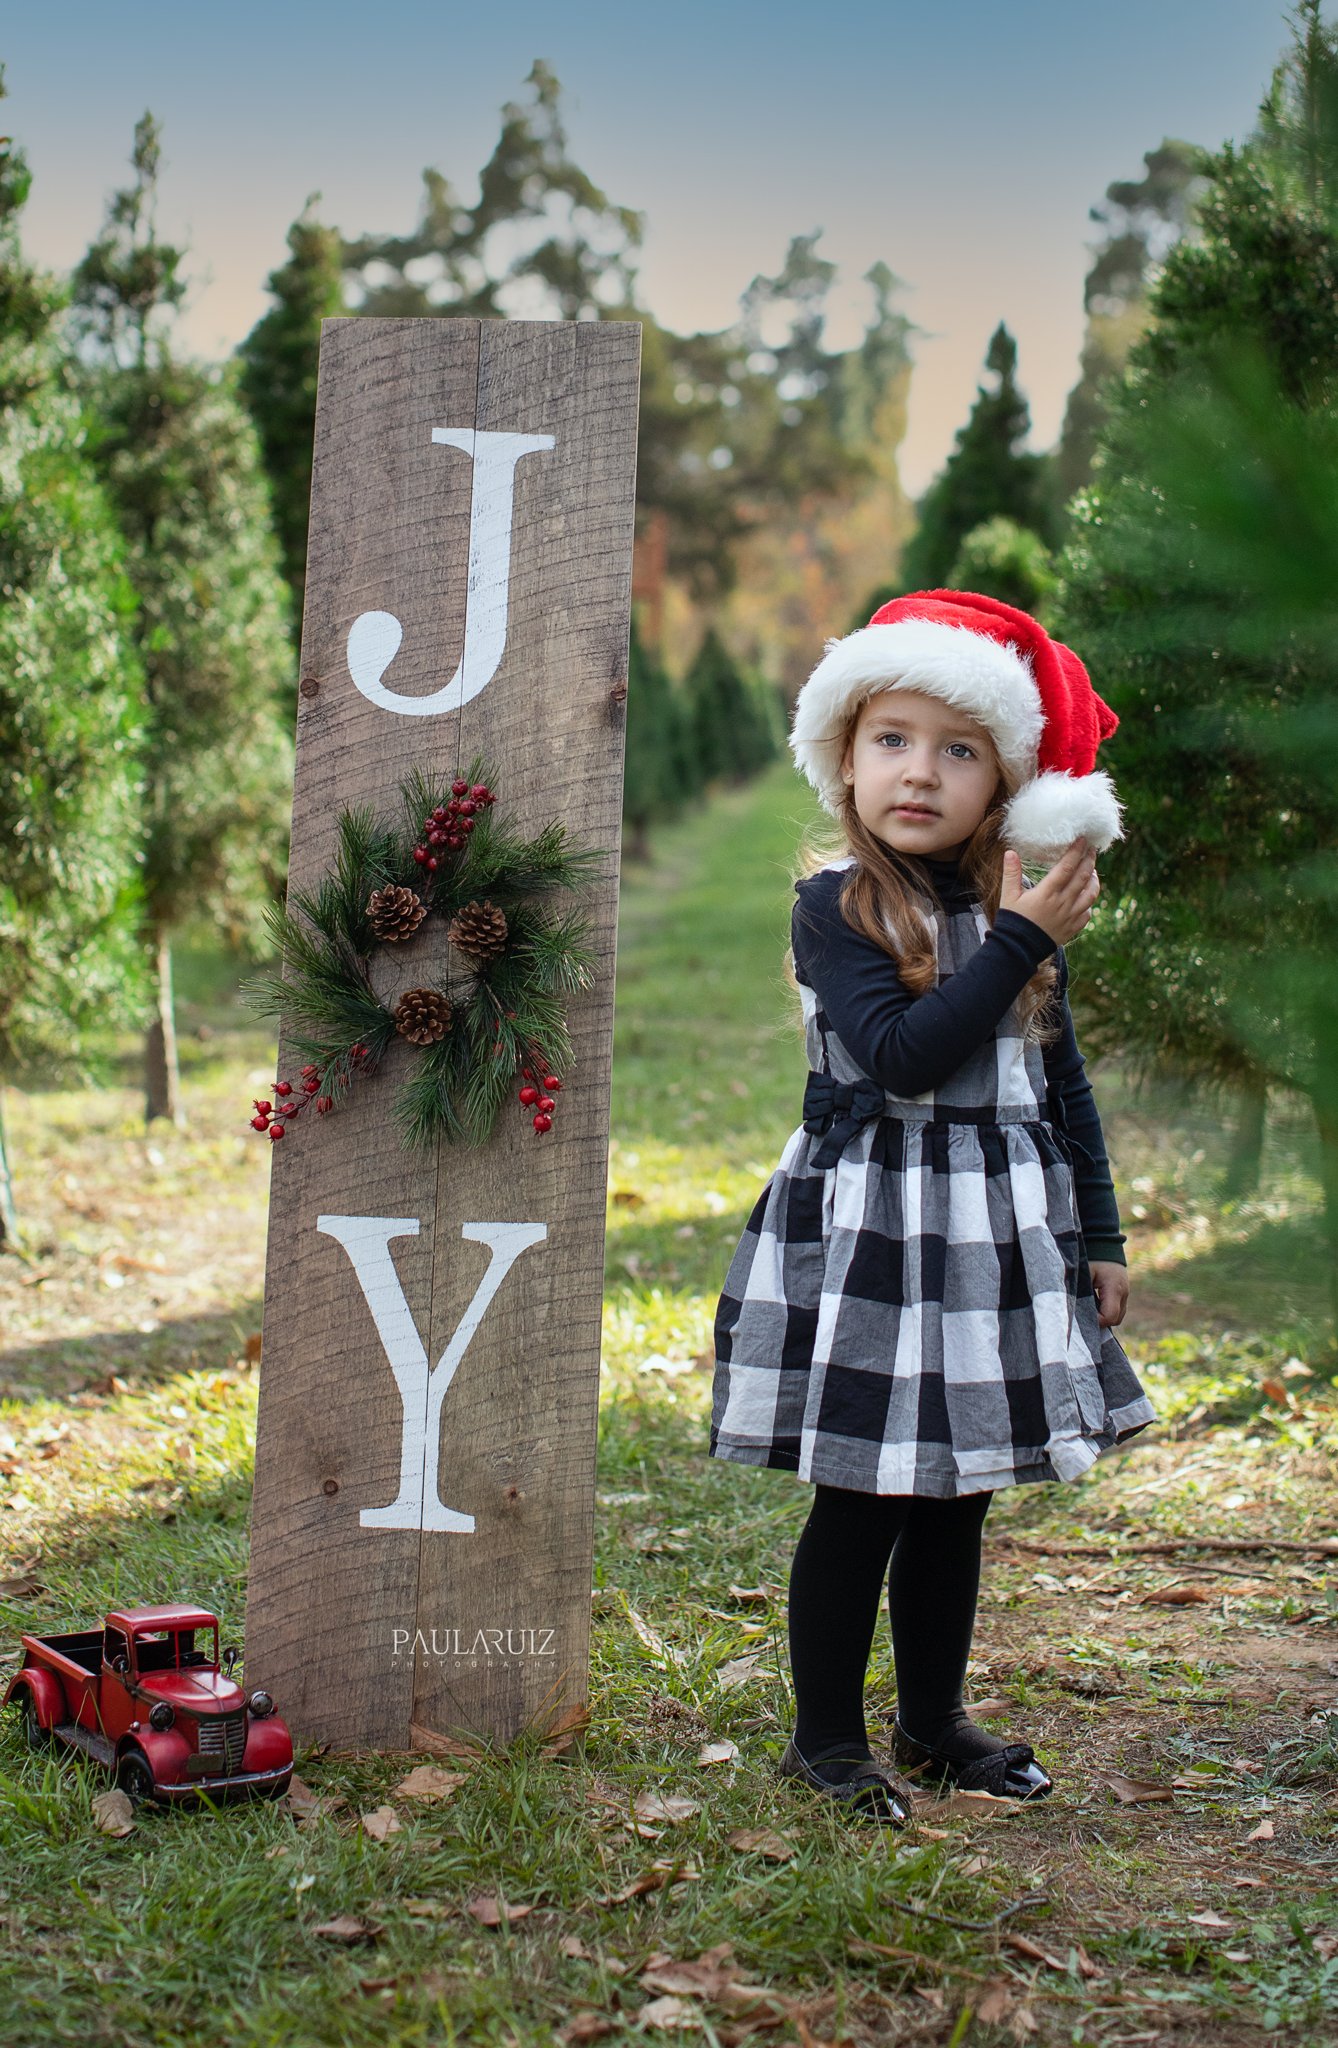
(835, 1110)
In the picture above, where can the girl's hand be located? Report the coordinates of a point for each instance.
(1111, 1282)
(1061, 903)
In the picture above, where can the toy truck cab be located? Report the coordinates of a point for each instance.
(145, 1697)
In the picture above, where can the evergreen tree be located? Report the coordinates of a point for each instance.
(733, 728)
(988, 475)
(1142, 220)
(279, 359)
(1199, 587)
(1004, 560)
(179, 459)
(69, 697)
(655, 784)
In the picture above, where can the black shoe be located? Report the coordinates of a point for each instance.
(1010, 1773)
(868, 1791)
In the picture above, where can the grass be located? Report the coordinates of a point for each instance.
(127, 1401)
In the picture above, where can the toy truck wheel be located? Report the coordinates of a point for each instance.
(135, 1778)
(34, 1734)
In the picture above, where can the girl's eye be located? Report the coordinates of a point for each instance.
(965, 747)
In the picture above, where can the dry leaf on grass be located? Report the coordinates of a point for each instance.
(1263, 1833)
(669, 2013)
(1241, 1883)
(1023, 1946)
(429, 1781)
(348, 1930)
(442, 1745)
(994, 2003)
(113, 1813)
(20, 1589)
(305, 1805)
(428, 1909)
(980, 1805)
(652, 1640)
(705, 1977)
(564, 1732)
(1178, 1596)
(664, 1871)
(382, 1821)
(1138, 1792)
(586, 2026)
(718, 1753)
(761, 1842)
(491, 1911)
(652, 1806)
(1212, 1921)
(737, 1671)
(978, 1709)
(1325, 1946)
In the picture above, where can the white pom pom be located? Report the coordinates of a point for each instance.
(1049, 812)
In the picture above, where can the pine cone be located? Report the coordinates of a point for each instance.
(422, 1016)
(479, 929)
(395, 913)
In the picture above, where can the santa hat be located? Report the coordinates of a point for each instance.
(1032, 695)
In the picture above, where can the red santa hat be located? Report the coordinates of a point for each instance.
(1032, 695)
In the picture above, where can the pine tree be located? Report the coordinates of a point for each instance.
(655, 783)
(180, 462)
(1199, 588)
(1004, 560)
(279, 359)
(989, 475)
(69, 698)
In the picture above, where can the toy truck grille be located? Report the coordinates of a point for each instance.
(223, 1741)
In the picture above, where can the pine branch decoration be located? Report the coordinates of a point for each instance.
(444, 859)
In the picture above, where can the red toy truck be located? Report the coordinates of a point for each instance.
(144, 1697)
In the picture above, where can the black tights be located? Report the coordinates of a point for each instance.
(836, 1585)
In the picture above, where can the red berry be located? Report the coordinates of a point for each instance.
(481, 793)
(466, 824)
(289, 1108)
(283, 1087)
(324, 1103)
(310, 1087)
(439, 815)
(547, 1104)
(552, 1083)
(307, 1072)
(420, 855)
(436, 837)
(459, 788)
(259, 1123)
(276, 1130)
(528, 1072)
(455, 839)
(529, 1096)
(264, 1108)
(466, 808)
(431, 863)
(543, 1123)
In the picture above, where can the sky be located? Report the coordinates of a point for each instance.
(961, 142)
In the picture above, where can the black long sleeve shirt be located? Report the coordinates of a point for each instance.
(911, 1044)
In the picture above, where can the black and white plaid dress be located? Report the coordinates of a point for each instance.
(916, 1313)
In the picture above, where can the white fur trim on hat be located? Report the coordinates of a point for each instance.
(991, 682)
(1050, 811)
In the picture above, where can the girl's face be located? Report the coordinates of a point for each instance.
(923, 774)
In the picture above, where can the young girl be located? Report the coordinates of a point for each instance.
(921, 1307)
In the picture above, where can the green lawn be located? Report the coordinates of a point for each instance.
(1206, 1915)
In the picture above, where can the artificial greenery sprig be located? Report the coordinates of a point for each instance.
(500, 1021)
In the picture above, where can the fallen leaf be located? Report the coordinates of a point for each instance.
(1240, 1883)
(585, 2026)
(382, 1821)
(442, 1745)
(429, 1781)
(428, 1909)
(306, 1805)
(1263, 1833)
(279, 1849)
(1025, 1947)
(20, 1589)
(251, 1351)
(113, 1813)
(564, 1732)
(761, 1842)
(1273, 1390)
(665, 1871)
(994, 2003)
(653, 1641)
(491, 1911)
(669, 2013)
(1137, 1792)
(1212, 1921)
(1178, 1596)
(572, 1945)
(981, 1805)
(1325, 1946)
(705, 1977)
(973, 1867)
(934, 1998)
(751, 1596)
(652, 1806)
(1086, 1967)
(347, 1929)
(717, 1753)
(737, 1671)
(978, 1709)
(374, 1986)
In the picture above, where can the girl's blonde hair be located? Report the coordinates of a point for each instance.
(885, 893)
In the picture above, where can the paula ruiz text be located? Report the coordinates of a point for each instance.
(486, 1642)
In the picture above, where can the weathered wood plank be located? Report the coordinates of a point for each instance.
(340, 1615)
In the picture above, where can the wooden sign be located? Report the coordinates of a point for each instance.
(423, 1520)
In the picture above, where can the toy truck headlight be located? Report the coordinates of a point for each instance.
(261, 1703)
(161, 1715)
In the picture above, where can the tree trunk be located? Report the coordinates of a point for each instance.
(162, 1079)
(1247, 1147)
(9, 1216)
